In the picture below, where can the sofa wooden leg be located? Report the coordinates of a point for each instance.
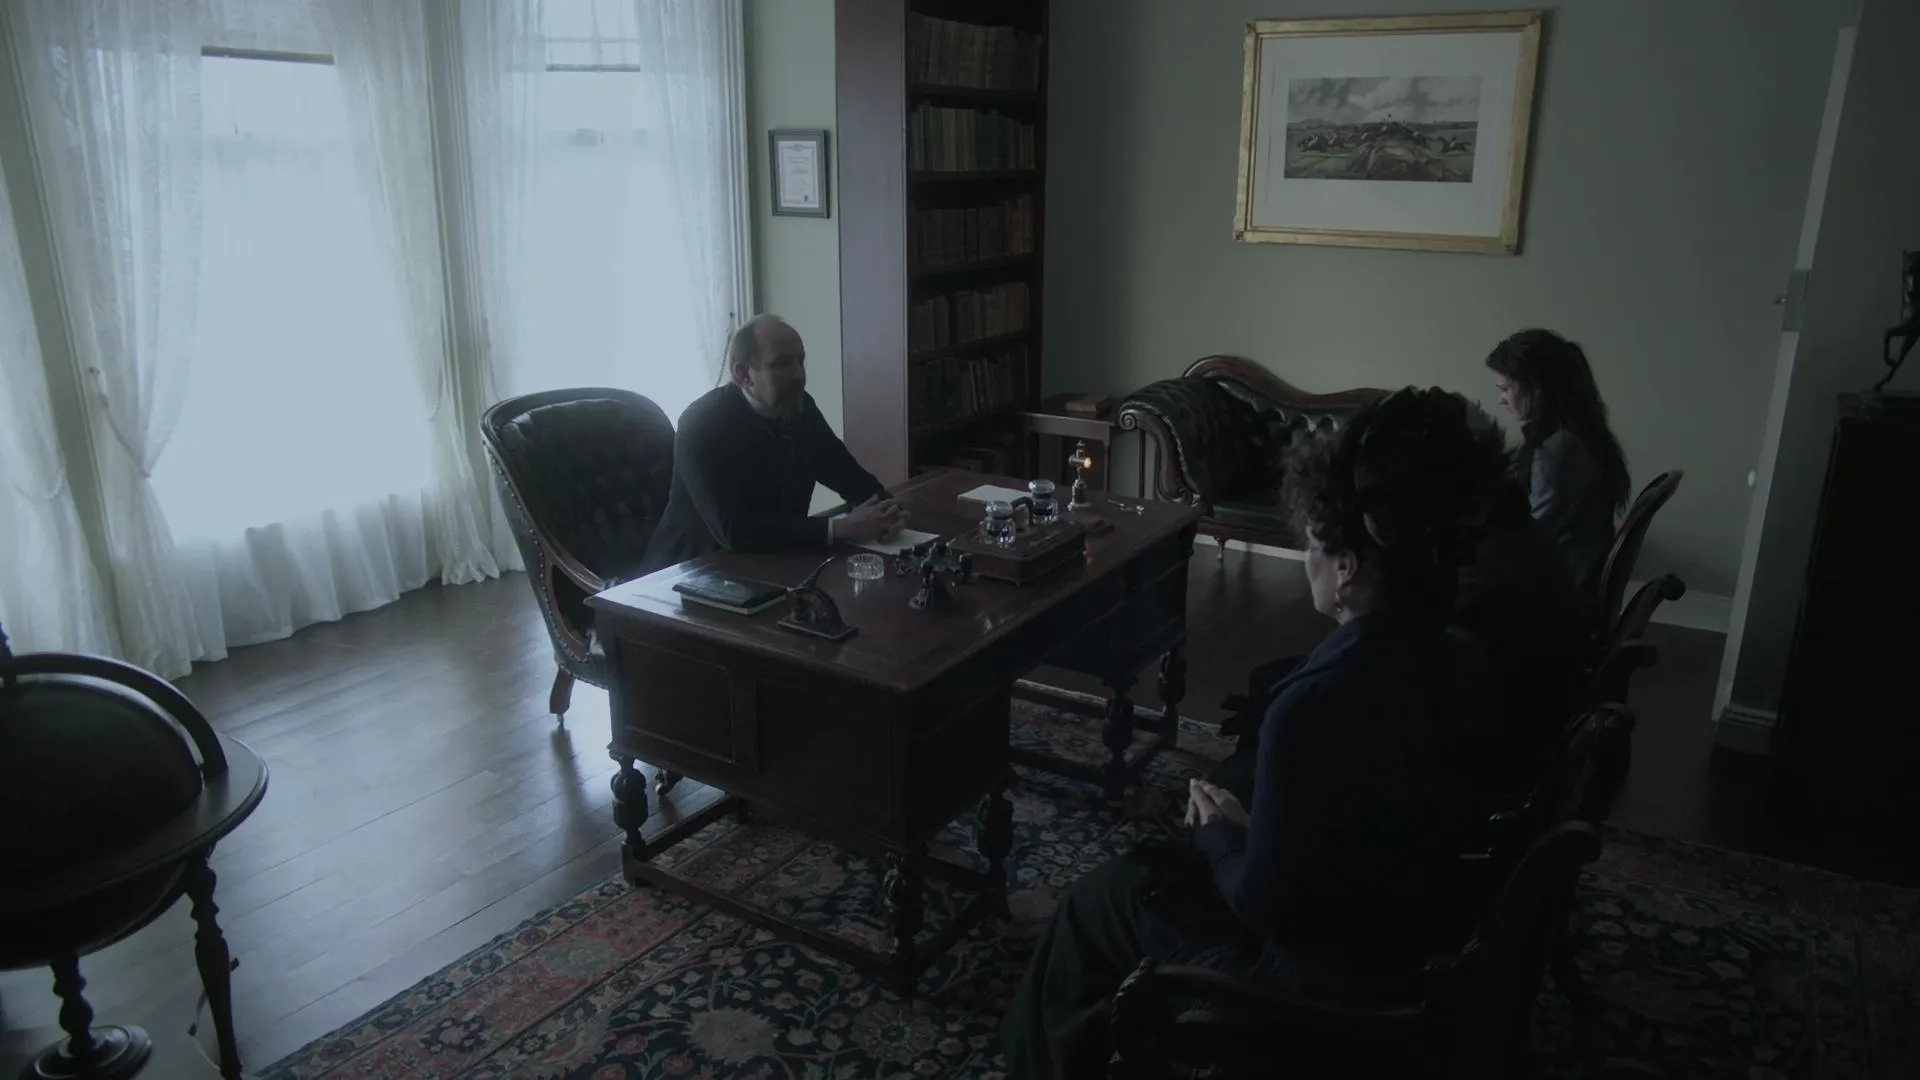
(562, 693)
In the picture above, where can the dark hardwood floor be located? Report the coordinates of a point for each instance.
(423, 800)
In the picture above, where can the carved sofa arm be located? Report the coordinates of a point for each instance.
(1199, 432)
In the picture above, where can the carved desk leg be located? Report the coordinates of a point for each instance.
(1118, 735)
(995, 843)
(1173, 687)
(630, 810)
(210, 954)
(906, 913)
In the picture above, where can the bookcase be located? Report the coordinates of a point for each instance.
(942, 156)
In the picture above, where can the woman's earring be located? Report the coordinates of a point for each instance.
(1339, 606)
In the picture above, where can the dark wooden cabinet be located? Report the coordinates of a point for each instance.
(1848, 757)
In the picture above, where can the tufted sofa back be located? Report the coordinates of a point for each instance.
(1231, 422)
(587, 469)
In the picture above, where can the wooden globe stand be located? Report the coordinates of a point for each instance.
(97, 1053)
(55, 916)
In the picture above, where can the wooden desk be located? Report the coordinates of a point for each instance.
(878, 741)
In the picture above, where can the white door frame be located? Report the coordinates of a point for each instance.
(1739, 727)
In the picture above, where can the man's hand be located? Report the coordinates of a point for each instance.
(1207, 803)
(871, 520)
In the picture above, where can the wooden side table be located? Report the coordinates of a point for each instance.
(1051, 420)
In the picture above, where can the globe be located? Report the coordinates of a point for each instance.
(86, 769)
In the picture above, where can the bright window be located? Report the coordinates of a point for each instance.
(615, 289)
(301, 398)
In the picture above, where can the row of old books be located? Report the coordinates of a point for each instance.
(999, 453)
(954, 388)
(940, 139)
(943, 52)
(968, 234)
(959, 317)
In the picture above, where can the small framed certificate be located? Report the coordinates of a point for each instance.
(798, 160)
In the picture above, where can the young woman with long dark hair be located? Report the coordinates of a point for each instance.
(1569, 460)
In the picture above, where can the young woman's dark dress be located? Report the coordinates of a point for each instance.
(1359, 804)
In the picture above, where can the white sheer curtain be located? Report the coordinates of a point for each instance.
(499, 62)
(633, 273)
(380, 48)
(393, 235)
(113, 95)
(51, 597)
(295, 484)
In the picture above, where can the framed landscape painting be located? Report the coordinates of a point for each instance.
(1387, 133)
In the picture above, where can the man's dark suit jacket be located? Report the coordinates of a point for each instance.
(743, 482)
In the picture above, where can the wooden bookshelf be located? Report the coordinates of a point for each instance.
(942, 159)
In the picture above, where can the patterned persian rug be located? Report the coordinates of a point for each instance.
(1706, 963)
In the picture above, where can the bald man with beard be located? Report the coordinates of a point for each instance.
(746, 458)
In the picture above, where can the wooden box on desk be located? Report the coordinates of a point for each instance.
(1036, 552)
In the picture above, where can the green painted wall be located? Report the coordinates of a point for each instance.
(1671, 148)
(796, 261)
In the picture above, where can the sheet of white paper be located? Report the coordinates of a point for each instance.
(901, 541)
(990, 493)
(799, 176)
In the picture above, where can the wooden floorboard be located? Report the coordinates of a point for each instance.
(422, 801)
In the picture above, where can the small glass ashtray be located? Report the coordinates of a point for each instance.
(866, 567)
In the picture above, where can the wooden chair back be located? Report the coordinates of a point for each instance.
(1612, 678)
(1638, 614)
(1502, 969)
(1627, 541)
(1594, 760)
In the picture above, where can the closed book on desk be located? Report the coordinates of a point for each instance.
(742, 596)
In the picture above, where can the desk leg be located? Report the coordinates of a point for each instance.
(1173, 687)
(995, 843)
(630, 810)
(906, 913)
(1118, 735)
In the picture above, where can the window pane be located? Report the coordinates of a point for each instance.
(610, 300)
(302, 399)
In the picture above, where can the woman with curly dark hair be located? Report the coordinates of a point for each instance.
(1325, 884)
(1569, 459)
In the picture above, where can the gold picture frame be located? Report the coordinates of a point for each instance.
(1354, 150)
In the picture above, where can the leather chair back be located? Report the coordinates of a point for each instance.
(589, 469)
(583, 476)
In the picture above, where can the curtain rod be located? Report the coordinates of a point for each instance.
(223, 52)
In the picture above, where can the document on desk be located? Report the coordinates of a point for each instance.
(901, 541)
(989, 493)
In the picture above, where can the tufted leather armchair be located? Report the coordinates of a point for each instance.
(583, 476)
(1219, 431)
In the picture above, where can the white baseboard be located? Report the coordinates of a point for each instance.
(1694, 611)
(1744, 730)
